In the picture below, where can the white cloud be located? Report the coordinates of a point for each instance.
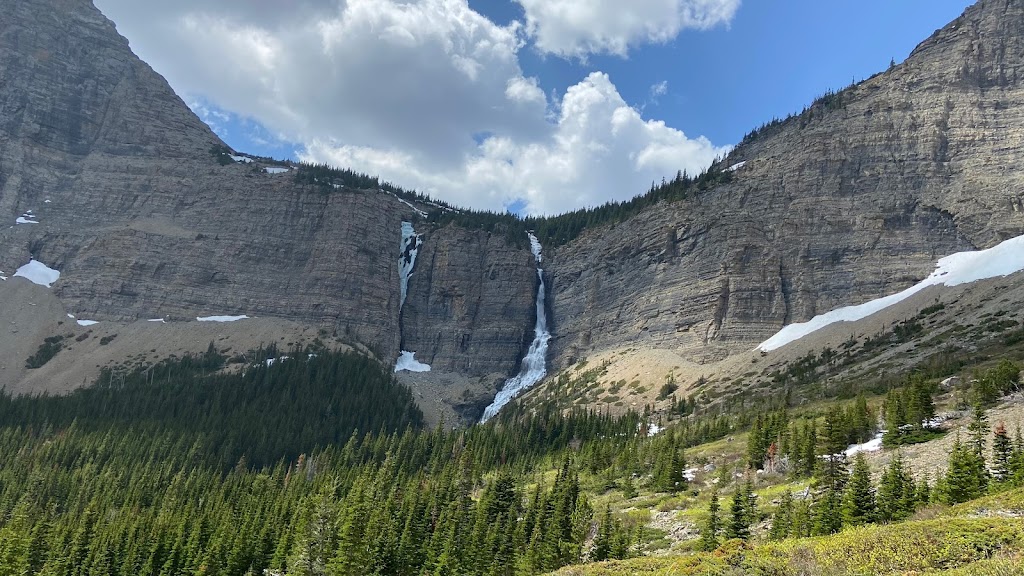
(660, 89)
(422, 76)
(428, 94)
(599, 149)
(577, 28)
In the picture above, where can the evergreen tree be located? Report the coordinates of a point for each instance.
(782, 522)
(1002, 450)
(966, 478)
(602, 549)
(892, 489)
(1016, 462)
(977, 429)
(709, 532)
(741, 512)
(859, 503)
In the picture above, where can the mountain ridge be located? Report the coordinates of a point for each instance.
(852, 199)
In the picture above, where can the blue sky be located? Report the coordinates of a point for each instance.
(544, 105)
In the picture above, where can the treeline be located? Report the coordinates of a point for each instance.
(550, 230)
(557, 230)
(269, 406)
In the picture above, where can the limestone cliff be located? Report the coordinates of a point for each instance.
(143, 222)
(853, 199)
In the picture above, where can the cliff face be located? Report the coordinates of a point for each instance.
(142, 221)
(852, 200)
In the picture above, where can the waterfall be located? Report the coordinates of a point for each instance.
(410, 246)
(534, 366)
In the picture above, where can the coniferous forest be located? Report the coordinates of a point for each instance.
(313, 462)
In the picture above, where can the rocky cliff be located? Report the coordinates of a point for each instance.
(143, 222)
(853, 199)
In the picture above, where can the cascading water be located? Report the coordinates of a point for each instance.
(407, 258)
(409, 248)
(534, 366)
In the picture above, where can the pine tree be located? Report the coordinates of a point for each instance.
(923, 493)
(603, 541)
(966, 478)
(859, 502)
(828, 513)
(892, 490)
(711, 528)
(1016, 462)
(895, 418)
(978, 429)
(740, 513)
(782, 522)
(1002, 450)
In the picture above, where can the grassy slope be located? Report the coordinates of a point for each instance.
(964, 544)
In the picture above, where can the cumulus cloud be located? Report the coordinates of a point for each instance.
(599, 149)
(578, 28)
(428, 94)
(420, 76)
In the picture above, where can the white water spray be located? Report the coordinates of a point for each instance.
(534, 366)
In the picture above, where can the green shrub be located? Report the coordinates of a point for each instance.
(45, 353)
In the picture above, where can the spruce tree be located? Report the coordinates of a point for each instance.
(782, 522)
(712, 526)
(859, 502)
(1002, 450)
(966, 477)
(977, 429)
(1016, 462)
(740, 514)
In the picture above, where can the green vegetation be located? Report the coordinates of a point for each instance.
(47, 350)
(316, 462)
(872, 550)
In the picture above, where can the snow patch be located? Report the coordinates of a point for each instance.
(534, 365)
(873, 445)
(242, 159)
(221, 318)
(736, 166)
(160, 320)
(270, 361)
(652, 429)
(406, 202)
(38, 273)
(407, 361)
(960, 268)
(25, 220)
(87, 322)
(276, 170)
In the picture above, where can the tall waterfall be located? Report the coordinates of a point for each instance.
(407, 258)
(409, 248)
(534, 366)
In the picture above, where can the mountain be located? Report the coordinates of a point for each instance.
(139, 210)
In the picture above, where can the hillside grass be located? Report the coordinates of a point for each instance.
(947, 545)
